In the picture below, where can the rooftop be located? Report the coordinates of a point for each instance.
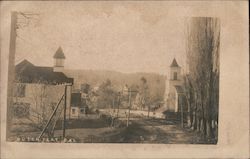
(174, 63)
(26, 72)
(59, 54)
(77, 101)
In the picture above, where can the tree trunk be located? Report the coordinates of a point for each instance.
(198, 125)
(188, 116)
(148, 111)
(209, 129)
(191, 120)
(204, 129)
(202, 125)
(194, 123)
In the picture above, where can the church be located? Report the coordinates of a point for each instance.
(174, 88)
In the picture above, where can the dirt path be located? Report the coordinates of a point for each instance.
(139, 131)
(155, 131)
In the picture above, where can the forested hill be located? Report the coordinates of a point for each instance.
(156, 82)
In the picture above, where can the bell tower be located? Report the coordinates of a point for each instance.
(175, 71)
(59, 60)
(174, 79)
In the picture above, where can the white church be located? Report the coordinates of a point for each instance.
(174, 89)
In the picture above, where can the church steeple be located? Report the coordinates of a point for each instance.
(59, 58)
(175, 70)
(174, 63)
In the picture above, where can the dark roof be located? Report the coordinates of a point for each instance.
(59, 54)
(26, 72)
(77, 101)
(174, 63)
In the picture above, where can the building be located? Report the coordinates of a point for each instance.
(59, 58)
(38, 90)
(78, 106)
(174, 90)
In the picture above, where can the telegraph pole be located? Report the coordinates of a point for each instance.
(129, 99)
(148, 109)
(11, 70)
(129, 107)
(118, 103)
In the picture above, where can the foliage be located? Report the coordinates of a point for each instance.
(106, 95)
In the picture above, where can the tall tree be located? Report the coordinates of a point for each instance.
(144, 93)
(202, 83)
(106, 95)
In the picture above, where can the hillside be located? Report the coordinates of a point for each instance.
(156, 82)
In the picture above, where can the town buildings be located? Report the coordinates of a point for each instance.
(39, 89)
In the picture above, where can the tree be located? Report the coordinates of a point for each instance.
(202, 81)
(106, 95)
(85, 88)
(144, 93)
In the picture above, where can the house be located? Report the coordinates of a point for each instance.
(78, 106)
(38, 90)
(174, 90)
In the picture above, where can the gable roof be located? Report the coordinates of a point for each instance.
(174, 63)
(59, 54)
(26, 72)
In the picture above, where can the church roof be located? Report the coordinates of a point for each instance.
(59, 54)
(174, 63)
(26, 72)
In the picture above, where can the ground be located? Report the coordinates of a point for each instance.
(140, 130)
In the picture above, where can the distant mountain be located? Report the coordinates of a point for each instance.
(156, 82)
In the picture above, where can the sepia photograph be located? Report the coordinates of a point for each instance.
(112, 73)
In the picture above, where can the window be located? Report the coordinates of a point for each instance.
(21, 110)
(82, 111)
(175, 75)
(73, 111)
(19, 90)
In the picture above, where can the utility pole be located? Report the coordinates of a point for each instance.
(129, 99)
(11, 70)
(118, 103)
(64, 111)
(129, 107)
(148, 109)
(113, 104)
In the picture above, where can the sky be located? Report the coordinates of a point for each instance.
(125, 37)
